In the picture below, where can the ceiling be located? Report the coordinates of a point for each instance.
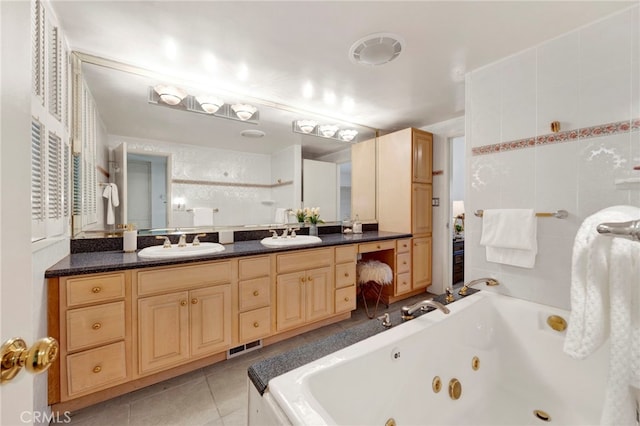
(285, 46)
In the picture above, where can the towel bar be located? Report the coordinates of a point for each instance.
(214, 210)
(560, 214)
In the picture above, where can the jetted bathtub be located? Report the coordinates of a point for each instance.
(521, 375)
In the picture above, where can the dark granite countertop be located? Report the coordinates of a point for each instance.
(261, 372)
(108, 261)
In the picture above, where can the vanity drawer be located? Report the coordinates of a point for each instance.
(254, 267)
(95, 325)
(307, 259)
(377, 246)
(403, 263)
(346, 254)
(346, 299)
(181, 278)
(96, 288)
(254, 293)
(345, 275)
(403, 283)
(255, 324)
(403, 246)
(96, 369)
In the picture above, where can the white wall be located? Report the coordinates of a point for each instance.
(286, 165)
(588, 77)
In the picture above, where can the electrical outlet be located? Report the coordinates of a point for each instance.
(435, 202)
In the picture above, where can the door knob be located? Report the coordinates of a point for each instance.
(36, 359)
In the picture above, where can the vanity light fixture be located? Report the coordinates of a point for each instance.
(210, 104)
(347, 135)
(306, 126)
(328, 130)
(170, 95)
(244, 111)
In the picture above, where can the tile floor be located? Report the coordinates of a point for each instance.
(214, 395)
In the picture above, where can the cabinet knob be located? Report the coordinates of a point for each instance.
(346, 274)
(256, 324)
(256, 293)
(96, 326)
(183, 303)
(97, 369)
(96, 290)
(404, 263)
(346, 299)
(378, 246)
(194, 301)
(309, 279)
(303, 279)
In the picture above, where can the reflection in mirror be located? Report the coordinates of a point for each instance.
(220, 172)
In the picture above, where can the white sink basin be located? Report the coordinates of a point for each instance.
(159, 252)
(298, 240)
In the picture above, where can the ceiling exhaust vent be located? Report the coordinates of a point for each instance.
(376, 49)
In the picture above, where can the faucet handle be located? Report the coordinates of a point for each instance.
(274, 234)
(386, 322)
(293, 232)
(450, 297)
(167, 241)
(196, 239)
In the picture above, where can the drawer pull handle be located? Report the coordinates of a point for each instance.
(404, 263)
(96, 290)
(96, 326)
(256, 293)
(97, 369)
(256, 324)
(378, 246)
(346, 299)
(183, 303)
(346, 274)
(194, 301)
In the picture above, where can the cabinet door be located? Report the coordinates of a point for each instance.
(363, 178)
(421, 223)
(210, 319)
(290, 300)
(421, 262)
(422, 144)
(163, 331)
(319, 294)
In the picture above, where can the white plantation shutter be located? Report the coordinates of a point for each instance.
(55, 72)
(37, 181)
(54, 177)
(38, 50)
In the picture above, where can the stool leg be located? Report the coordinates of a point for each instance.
(363, 289)
(375, 311)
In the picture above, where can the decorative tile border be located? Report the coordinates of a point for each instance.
(568, 135)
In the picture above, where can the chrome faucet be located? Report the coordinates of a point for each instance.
(167, 241)
(490, 282)
(182, 242)
(408, 311)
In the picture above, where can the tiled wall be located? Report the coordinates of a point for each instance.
(236, 205)
(585, 78)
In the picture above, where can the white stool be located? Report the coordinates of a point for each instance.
(373, 275)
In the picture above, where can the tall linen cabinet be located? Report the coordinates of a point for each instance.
(403, 203)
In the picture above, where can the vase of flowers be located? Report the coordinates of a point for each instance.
(299, 214)
(312, 217)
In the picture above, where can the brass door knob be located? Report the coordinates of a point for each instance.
(36, 359)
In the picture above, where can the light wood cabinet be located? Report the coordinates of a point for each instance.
(345, 278)
(254, 298)
(306, 293)
(179, 326)
(90, 319)
(363, 180)
(404, 199)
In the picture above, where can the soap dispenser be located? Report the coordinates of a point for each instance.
(357, 226)
(130, 239)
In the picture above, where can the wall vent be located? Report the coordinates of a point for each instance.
(243, 349)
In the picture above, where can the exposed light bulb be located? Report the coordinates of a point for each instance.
(307, 90)
(171, 49)
(243, 73)
(329, 98)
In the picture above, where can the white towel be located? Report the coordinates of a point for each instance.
(111, 194)
(605, 302)
(202, 216)
(509, 236)
(281, 216)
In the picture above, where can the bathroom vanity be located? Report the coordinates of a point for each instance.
(124, 322)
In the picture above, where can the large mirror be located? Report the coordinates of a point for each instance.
(164, 167)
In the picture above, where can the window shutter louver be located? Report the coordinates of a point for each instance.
(54, 174)
(38, 50)
(37, 166)
(55, 73)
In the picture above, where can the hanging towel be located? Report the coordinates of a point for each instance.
(281, 216)
(202, 216)
(111, 194)
(509, 236)
(589, 320)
